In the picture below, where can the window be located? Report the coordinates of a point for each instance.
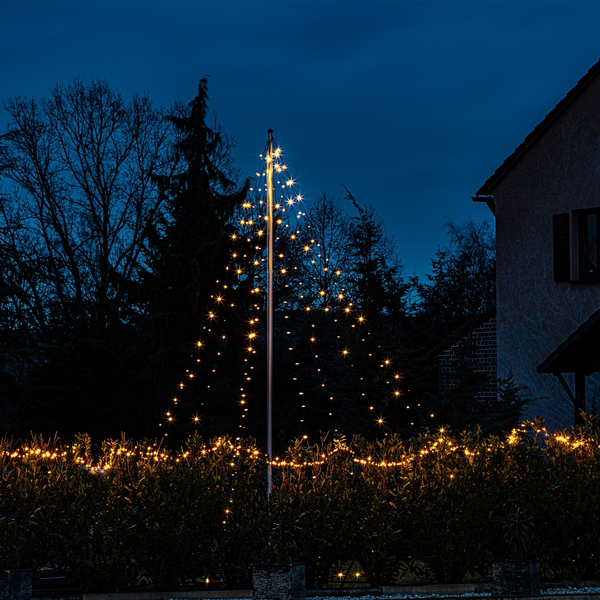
(576, 256)
(588, 222)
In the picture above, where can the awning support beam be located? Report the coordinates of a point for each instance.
(579, 396)
(565, 385)
(578, 399)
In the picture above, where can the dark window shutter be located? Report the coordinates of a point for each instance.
(561, 247)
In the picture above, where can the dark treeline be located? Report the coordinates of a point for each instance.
(118, 224)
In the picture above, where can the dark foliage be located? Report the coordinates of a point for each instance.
(376, 284)
(127, 287)
(458, 295)
(439, 506)
(187, 260)
(475, 399)
(78, 169)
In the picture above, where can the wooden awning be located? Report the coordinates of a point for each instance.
(579, 353)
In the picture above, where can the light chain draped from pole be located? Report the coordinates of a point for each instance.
(270, 313)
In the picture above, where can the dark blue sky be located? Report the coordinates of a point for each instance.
(411, 104)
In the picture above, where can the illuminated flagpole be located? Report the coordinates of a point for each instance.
(270, 312)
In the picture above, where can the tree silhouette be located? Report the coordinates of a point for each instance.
(80, 195)
(187, 277)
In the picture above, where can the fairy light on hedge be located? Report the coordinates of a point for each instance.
(410, 457)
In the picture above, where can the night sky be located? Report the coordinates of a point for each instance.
(411, 104)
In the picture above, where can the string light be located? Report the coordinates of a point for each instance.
(249, 270)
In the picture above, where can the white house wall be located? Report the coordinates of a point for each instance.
(560, 174)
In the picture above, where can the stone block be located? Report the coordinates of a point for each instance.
(16, 584)
(516, 578)
(276, 581)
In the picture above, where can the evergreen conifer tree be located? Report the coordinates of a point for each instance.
(188, 279)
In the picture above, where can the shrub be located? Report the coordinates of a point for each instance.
(128, 514)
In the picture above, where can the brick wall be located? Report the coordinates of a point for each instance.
(483, 339)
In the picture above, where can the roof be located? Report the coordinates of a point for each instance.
(533, 137)
(579, 352)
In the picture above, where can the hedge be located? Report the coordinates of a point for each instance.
(130, 514)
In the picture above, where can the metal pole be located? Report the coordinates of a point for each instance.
(270, 313)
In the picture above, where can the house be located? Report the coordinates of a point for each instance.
(546, 200)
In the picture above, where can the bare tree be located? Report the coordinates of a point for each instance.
(326, 267)
(79, 174)
(80, 191)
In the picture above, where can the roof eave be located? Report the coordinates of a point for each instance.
(487, 188)
(489, 200)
